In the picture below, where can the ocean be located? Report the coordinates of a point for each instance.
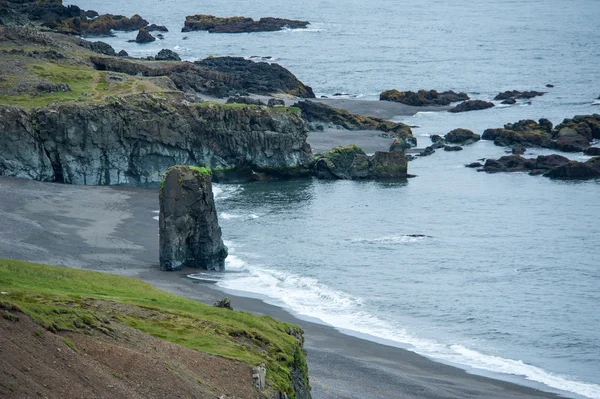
(497, 274)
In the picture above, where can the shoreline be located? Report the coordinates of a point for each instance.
(110, 229)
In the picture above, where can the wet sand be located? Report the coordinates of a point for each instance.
(112, 229)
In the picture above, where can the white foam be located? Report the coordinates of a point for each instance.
(596, 102)
(402, 239)
(155, 217)
(229, 216)
(309, 297)
(224, 191)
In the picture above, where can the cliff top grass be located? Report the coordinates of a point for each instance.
(64, 299)
(40, 68)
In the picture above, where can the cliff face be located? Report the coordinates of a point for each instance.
(134, 140)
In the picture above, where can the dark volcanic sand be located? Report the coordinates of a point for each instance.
(112, 229)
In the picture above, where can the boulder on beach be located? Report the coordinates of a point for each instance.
(423, 97)
(471, 105)
(275, 102)
(244, 100)
(461, 136)
(351, 163)
(214, 24)
(144, 36)
(189, 231)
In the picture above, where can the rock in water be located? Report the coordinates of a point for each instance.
(189, 231)
(144, 36)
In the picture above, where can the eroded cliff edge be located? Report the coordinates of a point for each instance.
(135, 139)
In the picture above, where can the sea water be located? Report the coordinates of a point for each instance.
(498, 274)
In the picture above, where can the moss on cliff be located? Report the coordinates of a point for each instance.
(63, 299)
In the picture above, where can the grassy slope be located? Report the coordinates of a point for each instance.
(66, 299)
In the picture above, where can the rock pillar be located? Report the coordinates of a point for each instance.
(189, 231)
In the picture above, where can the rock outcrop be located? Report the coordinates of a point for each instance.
(322, 115)
(144, 36)
(461, 136)
(245, 100)
(216, 76)
(423, 97)
(189, 231)
(351, 163)
(214, 24)
(167, 55)
(517, 95)
(576, 170)
(572, 135)
(471, 105)
(135, 139)
(516, 163)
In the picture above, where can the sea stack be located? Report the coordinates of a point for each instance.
(189, 231)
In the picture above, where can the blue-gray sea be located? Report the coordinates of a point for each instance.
(499, 274)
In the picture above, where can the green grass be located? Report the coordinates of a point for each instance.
(64, 299)
(69, 343)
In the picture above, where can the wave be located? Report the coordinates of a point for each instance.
(402, 239)
(596, 102)
(224, 191)
(308, 297)
(229, 216)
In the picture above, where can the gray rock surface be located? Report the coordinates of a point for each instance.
(189, 230)
(136, 139)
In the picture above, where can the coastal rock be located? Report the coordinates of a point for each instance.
(144, 36)
(509, 101)
(474, 165)
(576, 170)
(167, 55)
(318, 113)
(452, 148)
(214, 24)
(275, 102)
(97, 47)
(516, 163)
(587, 126)
(526, 132)
(549, 85)
(471, 105)
(102, 25)
(571, 143)
(188, 228)
(123, 53)
(436, 138)
(423, 97)
(400, 144)
(594, 151)
(429, 151)
(352, 163)
(461, 136)
(156, 28)
(515, 94)
(518, 149)
(245, 100)
(136, 139)
(257, 77)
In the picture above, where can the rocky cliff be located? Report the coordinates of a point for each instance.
(135, 139)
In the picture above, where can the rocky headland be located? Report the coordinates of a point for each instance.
(212, 24)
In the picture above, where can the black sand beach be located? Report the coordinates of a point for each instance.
(112, 229)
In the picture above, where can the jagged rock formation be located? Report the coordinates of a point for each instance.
(351, 163)
(135, 139)
(214, 24)
(471, 105)
(188, 227)
(572, 135)
(461, 136)
(423, 97)
(319, 114)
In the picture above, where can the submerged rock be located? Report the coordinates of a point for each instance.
(515, 94)
(189, 231)
(471, 105)
(461, 136)
(452, 148)
(352, 163)
(516, 163)
(156, 28)
(423, 97)
(214, 24)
